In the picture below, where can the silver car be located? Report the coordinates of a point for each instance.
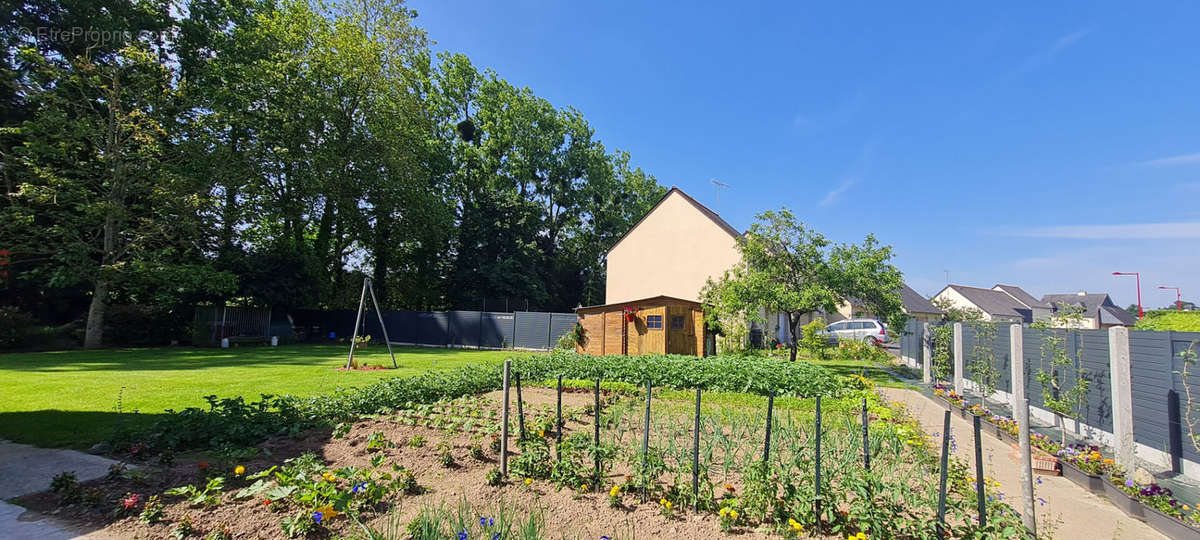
(869, 331)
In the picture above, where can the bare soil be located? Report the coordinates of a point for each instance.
(568, 514)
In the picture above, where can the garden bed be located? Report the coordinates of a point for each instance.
(340, 481)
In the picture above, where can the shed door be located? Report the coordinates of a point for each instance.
(681, 330)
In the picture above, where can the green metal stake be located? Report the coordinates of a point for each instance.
(645, 441)
(941, 515)
(696, 456)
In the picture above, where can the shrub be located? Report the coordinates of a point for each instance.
(16, 327)
(1180, 321)
(813, 339)
(142, 326)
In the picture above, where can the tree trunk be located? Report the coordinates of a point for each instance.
(794, 322)
(94, 336)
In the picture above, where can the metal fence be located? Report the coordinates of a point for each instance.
(1156, 395)
(462, 329)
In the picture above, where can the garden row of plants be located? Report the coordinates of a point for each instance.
(1087, 466)
(235, 421)
(748, 488)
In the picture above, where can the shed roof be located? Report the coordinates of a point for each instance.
(652, 299)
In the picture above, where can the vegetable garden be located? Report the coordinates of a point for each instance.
(421, 458)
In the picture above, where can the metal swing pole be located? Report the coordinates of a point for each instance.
(362, 298)
(371, 286)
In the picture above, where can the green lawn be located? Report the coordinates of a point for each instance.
(75, 398)
(873, 371)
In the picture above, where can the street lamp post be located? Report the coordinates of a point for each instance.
(1138, 277)
(1178, 298)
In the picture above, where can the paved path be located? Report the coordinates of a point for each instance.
(1078, 513)
(27, 469)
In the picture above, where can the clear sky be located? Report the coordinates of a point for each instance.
(1044, 146)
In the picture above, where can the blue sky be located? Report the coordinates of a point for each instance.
(1045, 146)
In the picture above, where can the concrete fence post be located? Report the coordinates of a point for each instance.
(1016, 346)
(926, 355)
(958, 359)
(1122, 394)
(1021, 412)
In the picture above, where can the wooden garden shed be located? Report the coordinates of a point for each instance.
(658, 325)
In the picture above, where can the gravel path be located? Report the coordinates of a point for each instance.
(1071, 511)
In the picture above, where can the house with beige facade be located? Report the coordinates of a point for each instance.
(993, 305)
(914, 305)
(672, 251)
(655, 275)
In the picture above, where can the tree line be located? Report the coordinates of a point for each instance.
(275, 152)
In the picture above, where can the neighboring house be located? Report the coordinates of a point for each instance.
(1034, 310)
(993, 305)
(913, 304)
(672, 251)
(1098, 310)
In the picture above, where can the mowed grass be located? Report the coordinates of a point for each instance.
(76, 398)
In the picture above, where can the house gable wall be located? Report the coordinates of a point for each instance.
(673, 251)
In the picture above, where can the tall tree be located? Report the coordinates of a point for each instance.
(97, 197)
(789, 268)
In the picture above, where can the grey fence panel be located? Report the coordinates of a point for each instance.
(1002, 356)
(1092, 348)
(910, 341)
(1151, 372)
(496, 331)
(433, 328)
(1035, 361)
(532, 330)
(561, 324)
(970, 336)
(465, 328)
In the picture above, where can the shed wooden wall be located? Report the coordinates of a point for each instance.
(603, 329)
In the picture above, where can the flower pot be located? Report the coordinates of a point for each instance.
(1091, 482)
(1171, 527)
(1131, 506)
(1046, 464)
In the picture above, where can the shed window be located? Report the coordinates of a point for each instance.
(677, 322)
(654, 321)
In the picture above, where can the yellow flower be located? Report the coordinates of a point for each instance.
(327, 512)
(542, 433)
(328, 477)
(239, 470)
(859, 536)
(528, 481)
(668, 505)
(724, 512)
(662, 502)
(583, 487)
(795, 525)
(733, 514)
(616, 490)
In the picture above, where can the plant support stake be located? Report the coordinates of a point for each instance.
(520, 411)
(645, 441)
(596, 437)
(504, 423)
(941, 515)
(558, 425)
(866, 437)
(979, 477)
(817, 470)
(767, 440)
(696, 457)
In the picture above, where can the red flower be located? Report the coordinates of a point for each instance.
(266, 502)
(203, 464)
(131, 501)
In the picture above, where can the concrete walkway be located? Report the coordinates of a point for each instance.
(1070, 511)
(27, 469)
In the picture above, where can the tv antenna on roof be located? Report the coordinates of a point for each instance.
(718, 185)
